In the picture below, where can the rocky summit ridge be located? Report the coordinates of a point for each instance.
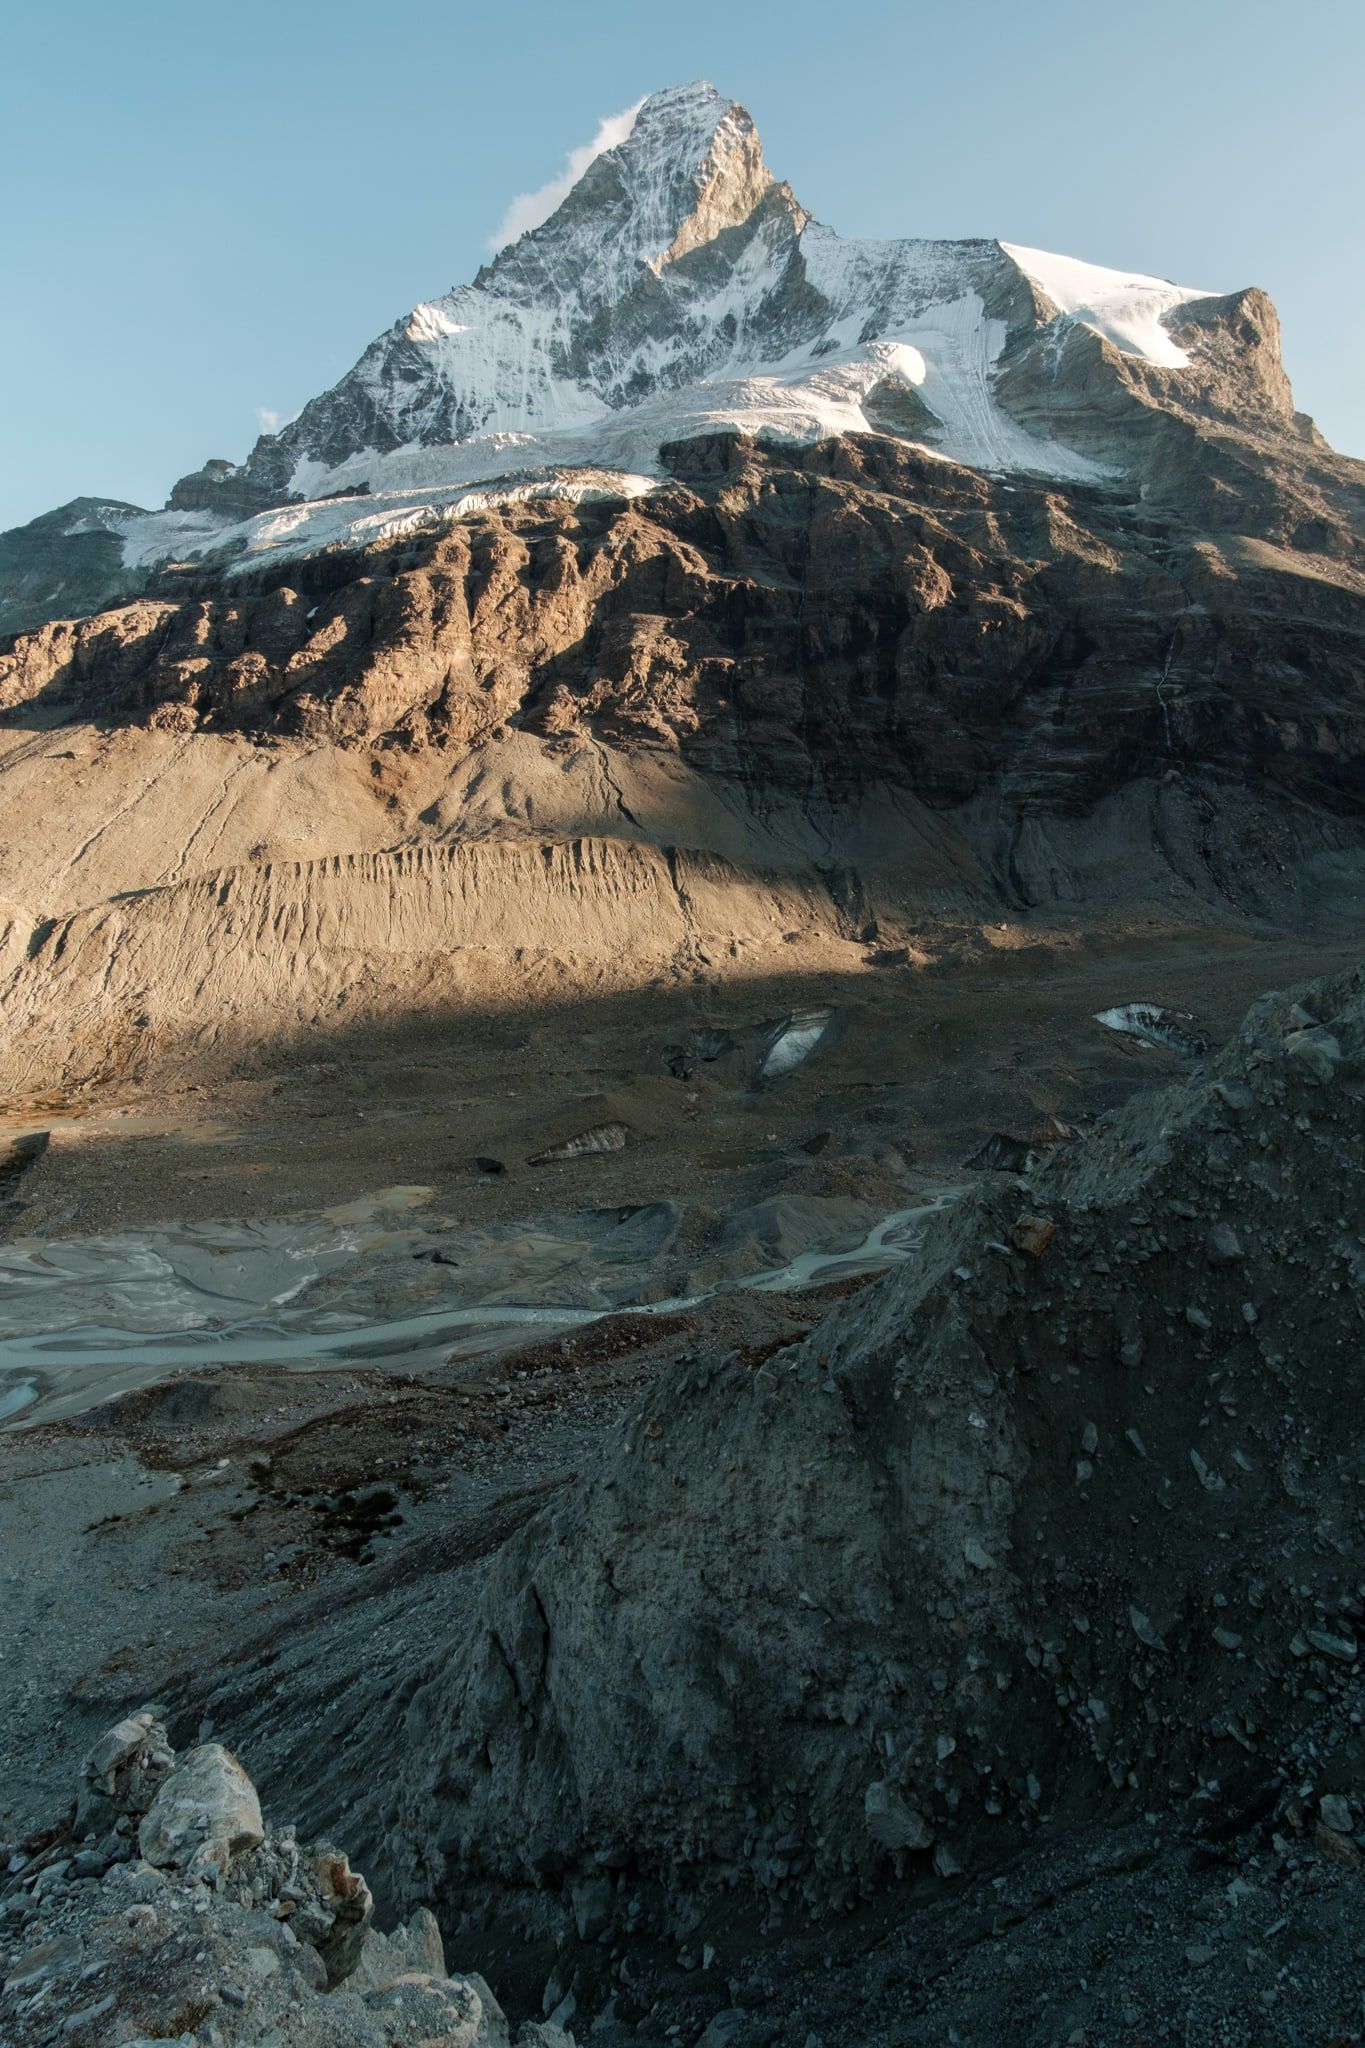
(680, 289)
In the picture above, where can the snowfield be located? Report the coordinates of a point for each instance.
(1124, 307)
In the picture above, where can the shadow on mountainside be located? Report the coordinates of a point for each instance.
(1032, 1564)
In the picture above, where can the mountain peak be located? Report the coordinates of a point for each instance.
(678, 290)
(690, 167)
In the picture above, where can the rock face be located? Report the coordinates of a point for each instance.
(64, 564)
(221, 1934)
(829, 691)
(1060, 1524)
(798, 625)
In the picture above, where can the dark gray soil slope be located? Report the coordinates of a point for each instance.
(1063, 1525)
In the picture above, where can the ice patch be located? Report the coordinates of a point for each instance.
(793, 1042)
(1150, 1023)
(291, 531)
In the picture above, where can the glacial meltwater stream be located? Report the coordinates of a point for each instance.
(373, 1285)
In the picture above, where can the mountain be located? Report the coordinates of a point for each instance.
(716, 759)
(823, 594)
(681, 289)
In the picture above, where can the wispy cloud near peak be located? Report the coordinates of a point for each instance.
(529, 209)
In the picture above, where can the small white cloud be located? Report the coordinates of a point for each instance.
(529, 209)
(269, 421)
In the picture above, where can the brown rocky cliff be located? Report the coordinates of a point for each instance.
(799, 623)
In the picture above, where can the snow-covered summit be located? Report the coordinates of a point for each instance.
(678, 288)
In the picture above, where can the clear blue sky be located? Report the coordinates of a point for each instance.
(210, 210)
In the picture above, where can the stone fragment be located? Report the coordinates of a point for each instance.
(1339, 1847)
(41, 1965)
(1033, 1234)
(1223, 1247)
(724, 2028)
(1336, 1812)
(1342, 1648)
(591, 1900)
(891, 1822)
(1144, 1629)
(1211, 1481)
(82, 2024)
(117, 1747)
(206, 1813)
(1317, 1049)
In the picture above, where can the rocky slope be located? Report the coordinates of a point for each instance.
(1059, 1525)
(980, 1651)
(788, 705)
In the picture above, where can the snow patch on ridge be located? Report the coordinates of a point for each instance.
(1127, 308)
(288, 532)
(152, 537)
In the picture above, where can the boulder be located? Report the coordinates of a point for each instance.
(344, 1901)
(414, 1948)
(206, 1813)
(437, 2010)
(122, 1772)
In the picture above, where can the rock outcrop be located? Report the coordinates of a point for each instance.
(798, 625)
(828, 692)
(65, 564)
(186, 1921)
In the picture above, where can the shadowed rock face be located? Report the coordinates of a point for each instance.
(801, 624)
(1060, 1523)
(67, 562)
(261, 1936)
